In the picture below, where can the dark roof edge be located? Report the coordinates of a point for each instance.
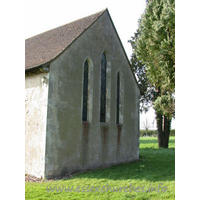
(102, 12)
(123, 49)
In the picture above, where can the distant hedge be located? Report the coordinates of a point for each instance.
(154, 133)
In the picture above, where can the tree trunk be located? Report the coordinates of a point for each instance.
(163, 132)
(159, 127)
(163, 126)
(167, 124)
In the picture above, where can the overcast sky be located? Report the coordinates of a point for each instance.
(43, 15)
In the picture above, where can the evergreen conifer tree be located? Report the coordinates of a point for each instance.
(153, 62)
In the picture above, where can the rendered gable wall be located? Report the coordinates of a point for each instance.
(71, 146)
(36, 93)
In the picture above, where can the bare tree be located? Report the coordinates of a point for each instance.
(146, 125)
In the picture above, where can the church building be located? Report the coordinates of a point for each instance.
(81, 99)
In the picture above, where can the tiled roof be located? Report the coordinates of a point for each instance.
(44, 47)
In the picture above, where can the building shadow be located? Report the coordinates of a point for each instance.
(154, 164)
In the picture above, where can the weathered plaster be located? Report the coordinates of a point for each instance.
(36, 93)
(69, 145)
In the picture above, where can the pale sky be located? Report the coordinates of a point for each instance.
(43, 15)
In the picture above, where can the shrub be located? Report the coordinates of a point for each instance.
(154, 133)
(172, 132)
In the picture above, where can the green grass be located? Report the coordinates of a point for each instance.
(156, 166)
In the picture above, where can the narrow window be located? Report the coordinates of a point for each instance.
(85, 92)
(103, 89)
(118, 96)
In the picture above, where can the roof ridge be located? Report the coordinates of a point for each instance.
(46, 46)
(102, 11)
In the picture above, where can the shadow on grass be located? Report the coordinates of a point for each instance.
(154, 165)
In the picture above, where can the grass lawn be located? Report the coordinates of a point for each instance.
(135, 180)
